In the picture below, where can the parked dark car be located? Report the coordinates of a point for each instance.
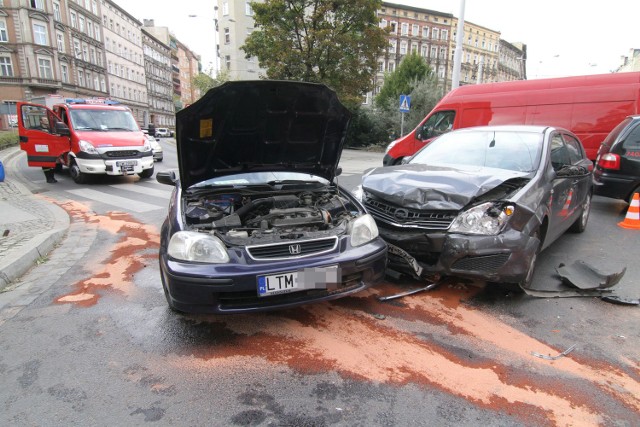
(617, 172)
(481, 202)
(256, 220)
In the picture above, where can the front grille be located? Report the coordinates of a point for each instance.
(292, 249)
(403, 217)
(122, 154)
(485, 263)
(249, 299)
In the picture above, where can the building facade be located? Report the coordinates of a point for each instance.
(189, 66)
(50, 47)
(511, 61)
(631, 62)
(125, 60)
(480, 47)
(157, 67)
(413, 30)
(234, 23)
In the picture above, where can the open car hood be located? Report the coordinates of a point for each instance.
(257, 126)
(418, 186)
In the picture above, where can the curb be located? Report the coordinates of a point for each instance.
(17, 264)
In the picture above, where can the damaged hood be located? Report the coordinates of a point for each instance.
(261, 126)
(427, 187)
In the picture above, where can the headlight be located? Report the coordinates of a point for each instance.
(486, 219)
(390, 146)
(193, 246)
(146, 146)
(87, 147)
(363, 230)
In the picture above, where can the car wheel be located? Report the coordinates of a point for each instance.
(147, 173)
(78, 176)
(581, 223)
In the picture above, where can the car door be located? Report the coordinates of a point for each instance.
(580, 173)
(38, 135)
(560, 204)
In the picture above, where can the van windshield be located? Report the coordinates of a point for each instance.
(103, 120)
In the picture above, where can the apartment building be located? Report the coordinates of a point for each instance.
(49, 47)
(480, 47)
(157, 67)
(234, 24)
(631, 62)
(511, 61)
(189, 67)
(413, 30)
(125, 60)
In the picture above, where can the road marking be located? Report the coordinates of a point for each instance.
(120, 202)
(136, 188)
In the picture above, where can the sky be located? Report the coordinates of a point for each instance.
(563, 37)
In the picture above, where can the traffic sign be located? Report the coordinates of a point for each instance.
(405, 103)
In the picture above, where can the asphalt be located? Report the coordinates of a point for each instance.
(30, 225)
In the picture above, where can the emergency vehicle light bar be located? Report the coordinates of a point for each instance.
(90, 101)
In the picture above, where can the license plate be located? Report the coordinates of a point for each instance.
(127, 163)
(294, 281)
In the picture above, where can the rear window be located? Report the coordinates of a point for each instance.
(632, 140)
(613, 135)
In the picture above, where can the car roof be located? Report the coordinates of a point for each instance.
(511, 128)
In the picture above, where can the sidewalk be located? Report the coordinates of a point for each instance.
(30, 227)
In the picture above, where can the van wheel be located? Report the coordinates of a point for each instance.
(581, 223)
(147, 173)
(78, 176)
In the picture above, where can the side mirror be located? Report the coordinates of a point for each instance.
(62, 129)
(168, 178)
(338, 171)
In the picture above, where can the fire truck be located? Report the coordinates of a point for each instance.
(94, 136)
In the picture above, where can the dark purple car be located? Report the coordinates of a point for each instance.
(256, 221)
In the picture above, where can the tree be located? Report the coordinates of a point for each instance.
(335, 42)
(412, 70)
(204, 81)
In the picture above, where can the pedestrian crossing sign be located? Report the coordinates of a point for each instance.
(405, 103)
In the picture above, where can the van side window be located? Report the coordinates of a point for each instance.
(63, 116)
(632, 141)
(439, 123)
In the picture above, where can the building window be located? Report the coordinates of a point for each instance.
(381, 66)
(405, 29)
(444, 35)
(394, 27)
(56, 11)
(85, 52)
(415, 30)
(4, 36)
(248, 10)
(89, 80)
(425, 32)
(60, 41)
(94, 7)
(92, 52)
(414, 48)
(77, 52)
(227, 36)
(103, 84)
(40, 34)
(227, 62)
(443, 53)
(37, 4)
(96, 83)
(90, 28)
(64, 73)
(434, 51)
(391, 66)
(392, 46)
(424, 51)
(74, 19)
(383, 23)
(6, 68)
(80, 78)
(44, 68)
(97, 33)
(403, 47)
(225, 8)
(435, 33)
(81, 24)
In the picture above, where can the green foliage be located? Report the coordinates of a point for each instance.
(368, 128)
(204, 81)
(8, 139)
(335, 42)
(412, 70)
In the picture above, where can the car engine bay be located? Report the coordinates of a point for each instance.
(242, 218)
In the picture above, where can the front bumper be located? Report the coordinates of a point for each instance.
(233, 287)
(111, 166)
(502, 258)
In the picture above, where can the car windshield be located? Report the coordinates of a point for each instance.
(261, 178)
(105, 120)
(510, 150)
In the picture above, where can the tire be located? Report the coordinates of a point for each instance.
(581, 223)
(78, 176)
(147, 173)
(528, 278)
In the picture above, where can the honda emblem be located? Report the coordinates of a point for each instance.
(295, 249)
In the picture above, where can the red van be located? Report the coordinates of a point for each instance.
(88, 136)
(589, 106)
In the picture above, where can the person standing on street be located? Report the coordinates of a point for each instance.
(48, 173)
